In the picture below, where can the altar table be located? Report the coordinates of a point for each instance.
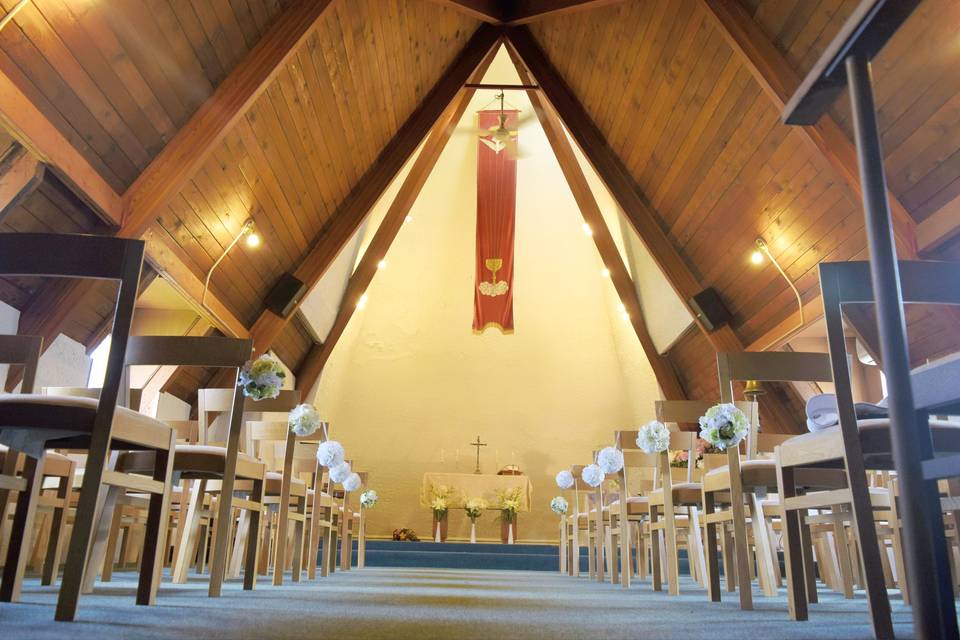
(476, 485)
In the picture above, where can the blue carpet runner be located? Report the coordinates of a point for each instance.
(457, 555)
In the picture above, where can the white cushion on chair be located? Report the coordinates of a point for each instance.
(129, 426)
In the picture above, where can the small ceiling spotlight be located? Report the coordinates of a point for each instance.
(587, 231)
(382, 264)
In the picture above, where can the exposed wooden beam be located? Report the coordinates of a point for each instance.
(165, 255)
(31, 129)
(612, 260)
(779, 80)
(527, 11)
(485, 10)
(182, 156)
(393, 220)
(617, 179)
(350, 214)
(20, 174)
(942, 225)
(309, 372)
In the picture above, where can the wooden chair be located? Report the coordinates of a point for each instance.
(362, 524)
(578, 525)
(668, 496)
(632, 510)
(25, 351)
(739, 483)
(320, 503)
(81, 423)
(856, 446)
(206, 462)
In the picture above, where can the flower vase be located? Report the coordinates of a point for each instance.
(508, 531)
(473, 532)
(439, 529)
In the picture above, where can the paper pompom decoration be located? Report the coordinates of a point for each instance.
(653, 437)
(352, 483)
(559, 505)
(565, 479)
(593, 475)
(330, 453)
(304, 420)
(340, 472)
(610, 459)
(262, 378)
(723, 426)
(368, 498)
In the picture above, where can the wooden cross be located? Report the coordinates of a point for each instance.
(478, 444)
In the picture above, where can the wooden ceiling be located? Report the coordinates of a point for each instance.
(679, 107)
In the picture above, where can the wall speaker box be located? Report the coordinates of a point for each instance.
(285, 295)
(710, 309)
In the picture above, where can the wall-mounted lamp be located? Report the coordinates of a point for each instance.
(253, 241)
(763, 251)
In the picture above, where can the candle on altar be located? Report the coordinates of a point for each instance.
(441, 456)
(496, 459)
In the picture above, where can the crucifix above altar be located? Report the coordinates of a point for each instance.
(478, 444)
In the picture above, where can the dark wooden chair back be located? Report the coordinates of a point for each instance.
(23, 351)
(85, 257)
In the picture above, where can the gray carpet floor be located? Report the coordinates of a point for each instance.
(429, 603)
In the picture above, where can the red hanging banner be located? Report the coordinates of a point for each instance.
(496, 211)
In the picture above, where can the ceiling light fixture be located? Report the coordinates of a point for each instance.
(5, 20)
(587, 230)
(362, 302)
(764, 251)
(253, 240)
(382, 264)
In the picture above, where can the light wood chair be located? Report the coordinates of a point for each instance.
(224, 466)
(320, 504)
(96, 426)
(362, 523)
(578, 525)
(733, 493)
(668, 497)
(856, 446)
(631, 512)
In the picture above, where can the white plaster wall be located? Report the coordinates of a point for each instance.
(409, 378)
(63, 364)
(9, 319)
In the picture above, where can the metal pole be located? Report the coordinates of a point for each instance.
(928, 571)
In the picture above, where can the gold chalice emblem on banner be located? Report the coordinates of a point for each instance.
(493, 288)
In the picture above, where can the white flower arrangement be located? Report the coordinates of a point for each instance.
(509, 503)
(352, 482)
(724, 425)
(304, 420)
(262, 378)
(474, 508)
(340, 472)
(559, 506)
(440, 500)
(593, 475)
(330, 454)
(565, 479)
(610, 459)
(368, 499)
(653, 437)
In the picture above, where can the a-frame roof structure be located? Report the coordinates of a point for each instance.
(177, 123)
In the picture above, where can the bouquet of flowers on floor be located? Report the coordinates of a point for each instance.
(474, 508)
(440, 501)
(509, 504)
(405, 535)
(724, 426)
(368, 499)
(559, 506)
(262, 378)
(304, 420)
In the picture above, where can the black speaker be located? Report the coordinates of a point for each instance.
(710, 309)
(285, 295)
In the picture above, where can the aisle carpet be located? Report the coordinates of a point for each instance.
(390, 604)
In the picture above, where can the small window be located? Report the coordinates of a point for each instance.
(98, 366)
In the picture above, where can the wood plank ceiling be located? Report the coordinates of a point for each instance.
(675, 103)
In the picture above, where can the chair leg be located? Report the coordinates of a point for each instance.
(796, 581)
(155, 533)
(655, 548)
(866, 540)
(253, 537)
(18, 549)
(712, 568)
(110, 554)
(190, 523)
(239, 542)
(58, 529)
(806, 550)
(763, 547)
(299, 531)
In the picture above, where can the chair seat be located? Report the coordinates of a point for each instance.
(274, 484)
(684, 494)
(73, 416)
(825, 447)
(194, 461)
(636, 506)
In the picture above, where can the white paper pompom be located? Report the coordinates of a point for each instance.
(304, 420)
(565, 479)
(559, 505)
(653, 437)
(610, 459)
(340, 472)
(368, 499)
(724, 425)
(330, 453)
(593, 475)
(352, 483)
